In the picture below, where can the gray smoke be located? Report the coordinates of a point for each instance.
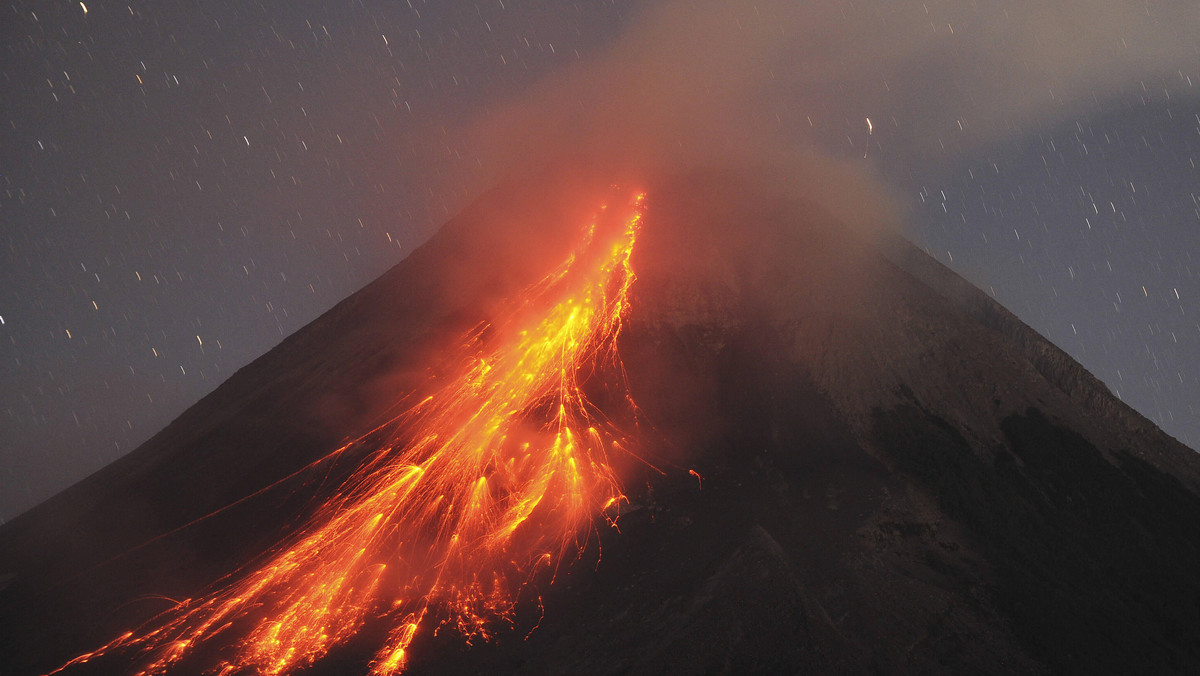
(823, 88)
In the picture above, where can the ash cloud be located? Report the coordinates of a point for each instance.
(791, 85)
(782, 90)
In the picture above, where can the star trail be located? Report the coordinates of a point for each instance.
(184, 184)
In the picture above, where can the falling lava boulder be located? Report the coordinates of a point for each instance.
(853, 461)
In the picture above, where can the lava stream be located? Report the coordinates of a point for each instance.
(496, 476)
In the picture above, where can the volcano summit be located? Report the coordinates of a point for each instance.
(706, 428)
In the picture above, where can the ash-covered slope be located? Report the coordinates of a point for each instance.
(897, 475)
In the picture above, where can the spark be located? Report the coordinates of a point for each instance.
(461, 501)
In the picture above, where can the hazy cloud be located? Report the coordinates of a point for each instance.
(778, 80)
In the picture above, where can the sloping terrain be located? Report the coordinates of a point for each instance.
(889, 471)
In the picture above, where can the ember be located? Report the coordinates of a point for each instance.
(496, 476)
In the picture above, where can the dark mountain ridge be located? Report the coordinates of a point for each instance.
(896, 475)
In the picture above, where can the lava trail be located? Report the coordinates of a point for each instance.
(497, 475)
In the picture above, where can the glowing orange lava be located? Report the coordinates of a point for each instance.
(496, 476)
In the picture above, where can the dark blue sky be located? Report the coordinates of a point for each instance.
(183, 184)
(1089, 230)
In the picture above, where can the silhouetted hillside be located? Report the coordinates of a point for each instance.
(891, 472)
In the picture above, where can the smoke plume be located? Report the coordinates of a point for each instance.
(826, 90)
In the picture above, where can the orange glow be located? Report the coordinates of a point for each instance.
(498, 475)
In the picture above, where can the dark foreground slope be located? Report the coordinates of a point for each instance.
(897, 475)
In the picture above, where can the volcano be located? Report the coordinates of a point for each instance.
(790, 446)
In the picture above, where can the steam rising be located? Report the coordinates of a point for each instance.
(793, 84)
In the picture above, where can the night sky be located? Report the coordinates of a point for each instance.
(182, 184)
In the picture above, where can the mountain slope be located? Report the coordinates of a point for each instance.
(891, 472)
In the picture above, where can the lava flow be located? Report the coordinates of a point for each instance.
(496, 476)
